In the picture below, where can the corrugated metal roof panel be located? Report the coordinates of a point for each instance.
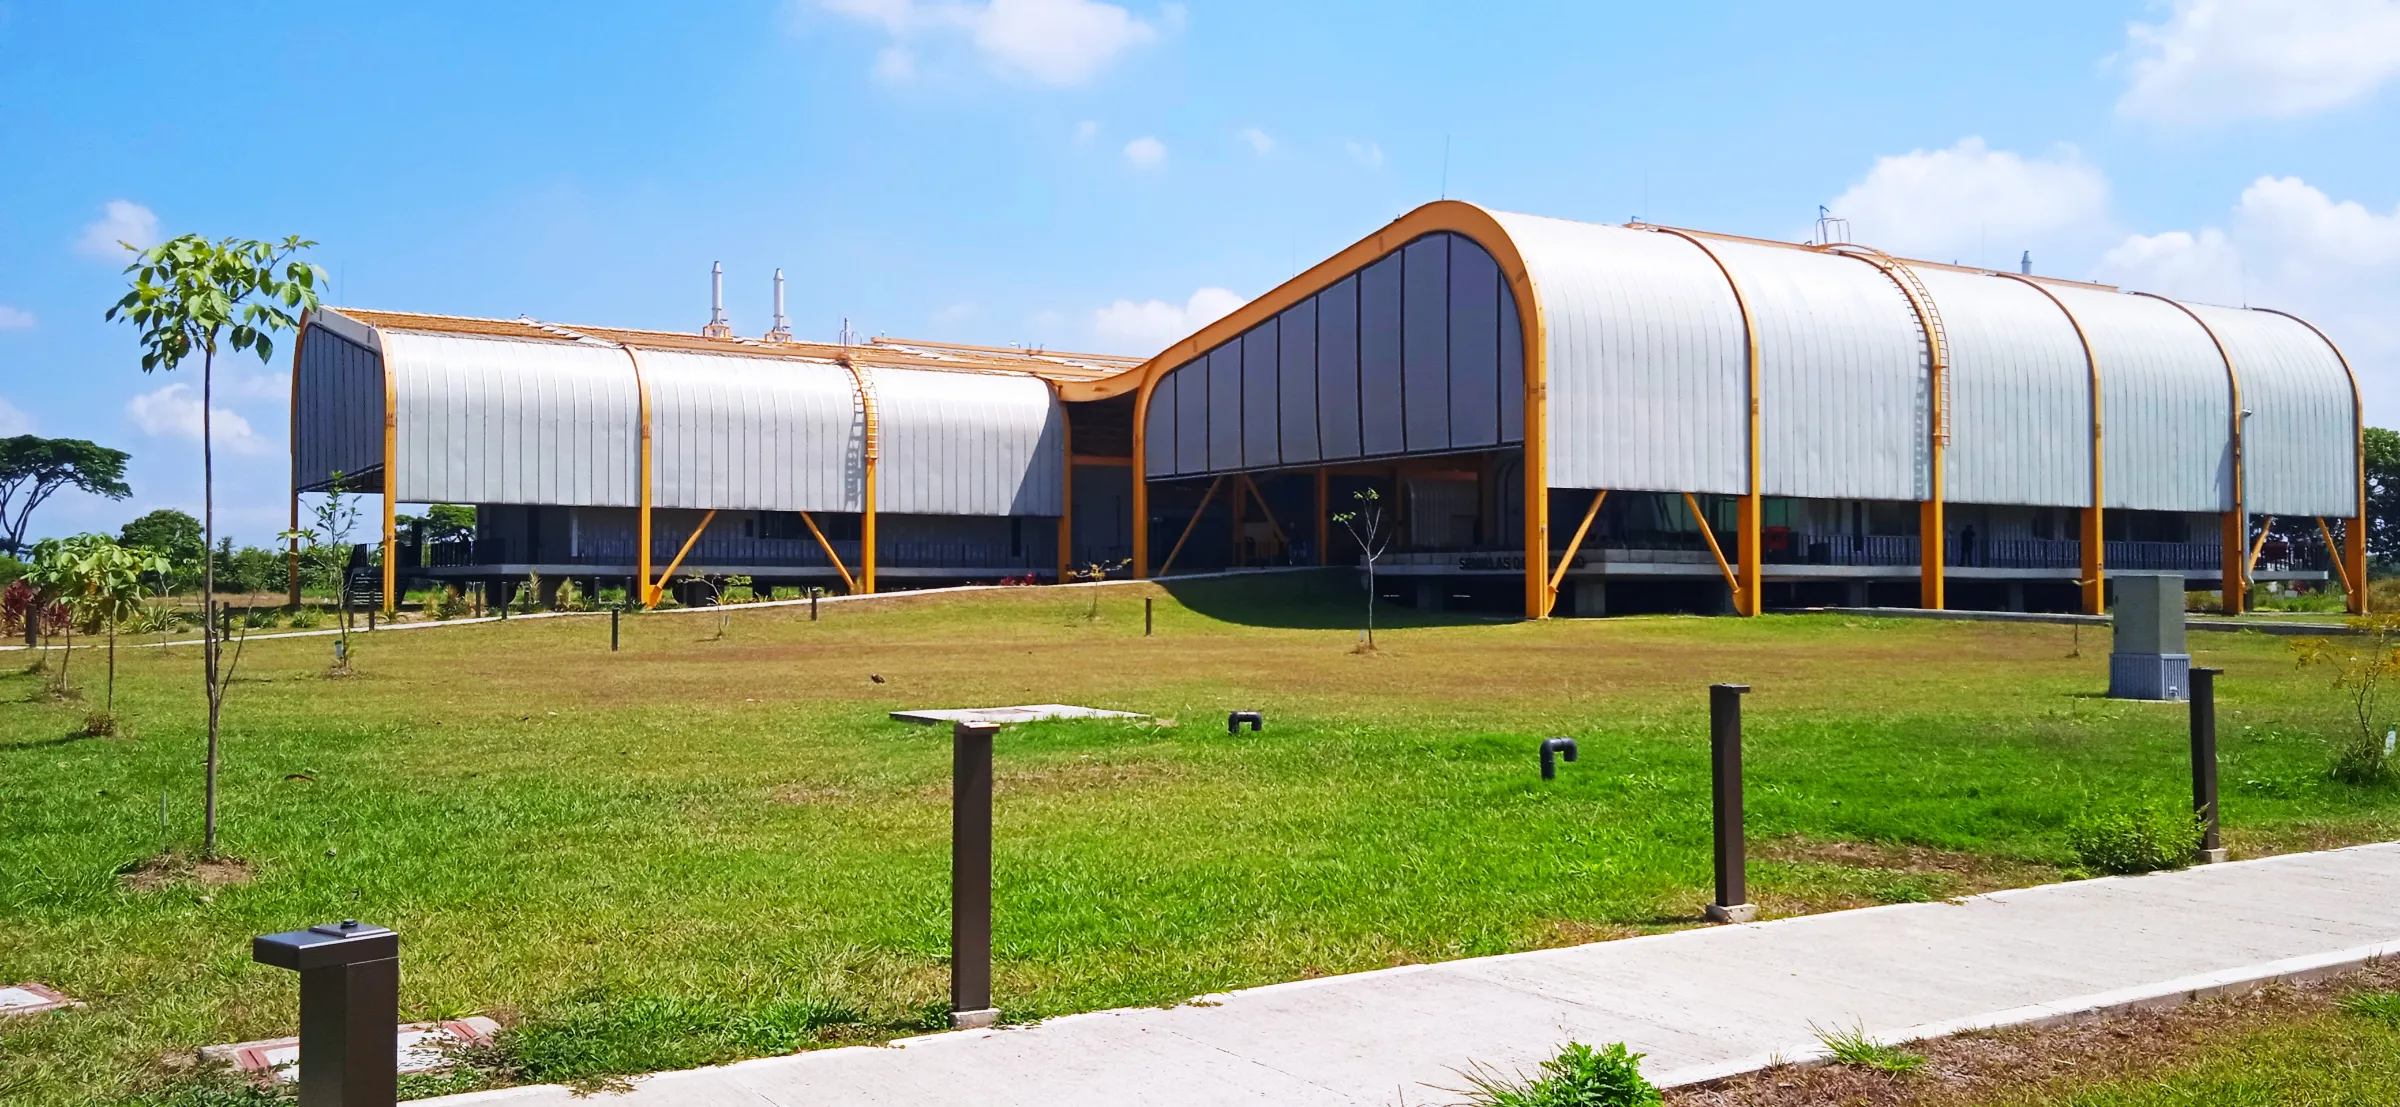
(2021, 394)
(501, 421)
(968, 444)
(2299, 454)
(1844, 393)
(2165, 403)
(753, 434)
(1648, 382)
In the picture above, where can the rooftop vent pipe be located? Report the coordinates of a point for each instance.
(2025, 264)
(782, 331)
(717, 326)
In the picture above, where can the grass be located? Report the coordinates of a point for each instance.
(1853, 1047)
(1579, 1076)
(696, 850)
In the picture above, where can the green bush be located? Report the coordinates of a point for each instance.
(308, 617)
(2125, 840)
(1579, 1076)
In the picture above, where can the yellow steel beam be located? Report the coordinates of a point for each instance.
(1705, 532)
(652, 592)
(1187, 527)
(1573, 544)
(391, 492)
(2250, 564)
(2333, 550)
(847, 584)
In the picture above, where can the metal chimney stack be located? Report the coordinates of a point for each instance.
(783, 327)
(717, 326)
(2025, 264)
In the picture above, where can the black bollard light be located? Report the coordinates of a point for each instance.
(349, 1010)
(971, 874)
(2204, 763)
(812, 606)
(1145, 616)
(1725, 777)
(370, 618)
(1552, 748)
(612, 627)
(1234, 721)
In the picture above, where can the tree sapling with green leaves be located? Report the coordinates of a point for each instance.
(327, 543)
(191, 296)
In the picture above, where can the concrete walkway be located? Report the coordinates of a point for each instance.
(1702, 1003)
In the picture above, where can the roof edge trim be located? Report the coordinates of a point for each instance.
(345, 327)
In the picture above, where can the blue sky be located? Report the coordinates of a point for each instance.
(1082, 174)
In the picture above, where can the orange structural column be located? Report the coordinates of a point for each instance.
(2354, 557)
(2236, 550)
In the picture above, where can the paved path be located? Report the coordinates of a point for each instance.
(1700, 1002)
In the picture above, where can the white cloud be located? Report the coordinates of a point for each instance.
(121, 221)
(2287, 245)
(894, 65)
(173, 411)
(1086, 131)
(1149, 326)
(1146, 152)
(1260, 142)
(2215, 60)
(1969, 196)
(15, 319)
(1057, 42)
(13, 420)
(1366, 153)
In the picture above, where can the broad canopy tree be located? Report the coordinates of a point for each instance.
(32, 469)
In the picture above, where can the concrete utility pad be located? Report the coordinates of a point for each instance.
(1026, 713)
(31, 999)
(424, 1047)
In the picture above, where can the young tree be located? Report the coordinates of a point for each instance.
(328, 545)
(31, 469)
(52, 577)
(1365, 524)
(101, 585)
(190, 297)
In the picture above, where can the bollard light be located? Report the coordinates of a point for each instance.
(971, 874)
(349, 1010)
(1725, 777)
(812, 606)
(612, 627)
(2204, 763)
(1145, 616)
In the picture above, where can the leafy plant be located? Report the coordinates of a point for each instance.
(189, 294)
(446, 604)
(1853, 1047)
(1095, 572)
(2125, 840)
(2360, 666)
(308, 617)
(1366, 526)
(2383, 1007)
(1579, 1076)
(326, 544)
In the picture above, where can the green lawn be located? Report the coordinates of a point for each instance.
(699, 849)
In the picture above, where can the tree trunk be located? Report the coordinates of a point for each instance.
(208, 593)
(67, 657)
(112, 668)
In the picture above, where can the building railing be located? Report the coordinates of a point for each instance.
(733, 551)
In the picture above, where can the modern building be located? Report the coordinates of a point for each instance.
(1616, 417)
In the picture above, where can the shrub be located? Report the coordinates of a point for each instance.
(1579, 1076)
(257, 617)
(1853, 1047)
(446, 604)
(2126, 840)
(309, 617)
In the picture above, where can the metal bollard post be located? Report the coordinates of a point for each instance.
(370, 618)
(613, 613)
(1725, 775)
(349, 1010)
(2204, 763)
(1145, 616)
(971, 874)
(812, 607)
